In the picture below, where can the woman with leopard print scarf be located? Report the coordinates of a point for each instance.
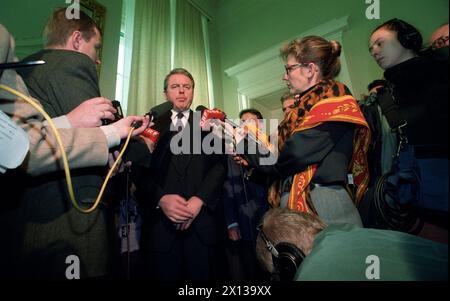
(323, 142)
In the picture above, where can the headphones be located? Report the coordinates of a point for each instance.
(286, 258)
(408, 36)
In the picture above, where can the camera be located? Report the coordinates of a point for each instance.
(118, 115)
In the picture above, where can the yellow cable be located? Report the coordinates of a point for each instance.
(63, 153)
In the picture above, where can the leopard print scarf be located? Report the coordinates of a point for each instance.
(304, 102)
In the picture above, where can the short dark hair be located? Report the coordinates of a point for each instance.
(178, 71)
(251, 111)
(59, 27)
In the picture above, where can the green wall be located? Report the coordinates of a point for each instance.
(240, 29)
(26, 19)
(248, 27)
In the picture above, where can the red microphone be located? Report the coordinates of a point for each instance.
(208, 114)
(151, 134)
(154, 114)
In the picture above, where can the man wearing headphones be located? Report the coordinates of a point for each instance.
(299, 246)
(415, 104)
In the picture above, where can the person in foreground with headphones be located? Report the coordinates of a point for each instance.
(415, 104)
(298, 246)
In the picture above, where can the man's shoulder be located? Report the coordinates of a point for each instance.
(59, 64)
(60, 58)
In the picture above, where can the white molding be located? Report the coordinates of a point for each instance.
(199, 7)
(326, 30)
(173, 15)
(243, 101)
(262, 73)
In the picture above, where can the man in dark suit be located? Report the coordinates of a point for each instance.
(183, 214)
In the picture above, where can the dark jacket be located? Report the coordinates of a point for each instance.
(420, 88)
(47, 228)
(188, 175)
(245, 200)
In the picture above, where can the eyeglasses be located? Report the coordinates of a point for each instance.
(292, 67)
(266, 241)
(439, 43)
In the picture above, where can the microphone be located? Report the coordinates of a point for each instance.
(154, 114)
(159, 110)
(218, 114)
(214, 114)
(201, 108)
(118, 115)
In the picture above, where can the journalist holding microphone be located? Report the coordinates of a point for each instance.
(319, 138)
(42, 229)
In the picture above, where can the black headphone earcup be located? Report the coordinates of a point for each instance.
(410, 40)
(288, 261)
(408, 36)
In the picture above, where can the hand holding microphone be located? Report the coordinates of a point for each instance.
(231, 128)
(156, 112)
(208, 114)
(123, 125)
(93, 112)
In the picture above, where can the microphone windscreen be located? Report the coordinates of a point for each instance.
(201, 108)
(160, 109)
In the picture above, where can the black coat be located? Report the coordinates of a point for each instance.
(188, 175)
(420, 87)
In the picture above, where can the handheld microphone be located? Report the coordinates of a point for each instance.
(214, 114)
(159, 110)
(151, 134)
(154, 114)
(218, 114)
(201, 108)
(118, 115)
